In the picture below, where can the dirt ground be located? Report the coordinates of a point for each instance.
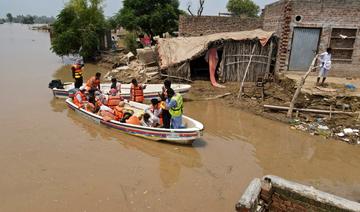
(334, 96)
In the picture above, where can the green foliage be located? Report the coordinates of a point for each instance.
(78, 28)
(112, 24)
(130, 42)
(9, 17)
(243, 7)
(28, 20)
(153, 17)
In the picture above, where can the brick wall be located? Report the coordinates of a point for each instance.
(273, 193)
(316, 14)
(205, 25)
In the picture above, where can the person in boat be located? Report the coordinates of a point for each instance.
(119, 111)
(134, 120)
(94, 82)
(94, 102)
(80, 98)
(149, 120)
(167, 85)
(155, 110)
(166, 117)
(77, 73)
(107, 113)
(115, 85)
(137, 91)
(175, 105)
(113, 99)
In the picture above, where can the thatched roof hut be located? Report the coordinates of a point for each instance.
(181, 56)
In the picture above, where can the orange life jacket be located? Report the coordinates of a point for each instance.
(93, 83)
(119, 113)
(77, 71)
(83, 99)
(136, 93)
(113, 101)
(134, 120)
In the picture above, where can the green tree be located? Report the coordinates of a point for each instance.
(243, 7)
(78, 28)
(28, 20)
(153, 17)
(9, 17)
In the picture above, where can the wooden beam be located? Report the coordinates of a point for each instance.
(268, 65)
(246, 55)
(245, 61)
(300, 85)
(274, 107)
(246, 71)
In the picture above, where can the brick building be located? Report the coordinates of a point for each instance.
(205, 25)
(307, 27)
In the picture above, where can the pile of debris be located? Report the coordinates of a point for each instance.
(125, 66)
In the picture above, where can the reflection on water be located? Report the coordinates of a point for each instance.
(172, 158)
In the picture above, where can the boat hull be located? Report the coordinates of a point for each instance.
(175, 136)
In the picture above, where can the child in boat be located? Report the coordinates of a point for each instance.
(155, 111)
(115, 85)
(150, 120)
(119, 111)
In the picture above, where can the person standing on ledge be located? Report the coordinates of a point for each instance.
(77, 73)
(325, 66)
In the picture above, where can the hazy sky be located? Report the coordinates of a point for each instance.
(52, 7)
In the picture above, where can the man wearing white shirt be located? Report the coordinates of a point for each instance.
(325, 66)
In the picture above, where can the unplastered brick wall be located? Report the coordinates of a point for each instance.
(273, 193)
(205, 25)
(323, 14)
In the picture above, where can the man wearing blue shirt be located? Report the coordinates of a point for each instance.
(175, 104)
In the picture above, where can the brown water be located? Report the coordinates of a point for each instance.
(51, 159)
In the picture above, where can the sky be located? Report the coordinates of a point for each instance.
(52, 7)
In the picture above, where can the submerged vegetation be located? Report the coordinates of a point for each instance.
(78, 28)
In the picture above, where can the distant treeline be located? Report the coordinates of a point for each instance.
(28, 19)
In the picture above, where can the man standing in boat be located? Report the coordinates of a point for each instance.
(94, 82)
(77, 73)
(175, 105)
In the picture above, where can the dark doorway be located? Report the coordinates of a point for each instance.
(200, 68)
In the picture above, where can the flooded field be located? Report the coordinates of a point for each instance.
(51, 159)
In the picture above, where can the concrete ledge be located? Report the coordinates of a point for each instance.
(250, 197)
(313, 194)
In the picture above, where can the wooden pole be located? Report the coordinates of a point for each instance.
(274, 107)
(268, 65)
(300, 85)
(246, 71)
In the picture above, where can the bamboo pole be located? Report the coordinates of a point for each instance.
(246, 71)
(268, 66)
(300, 85)
(274, 107)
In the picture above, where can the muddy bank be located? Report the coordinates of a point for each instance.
(339, 126)
(280, 94)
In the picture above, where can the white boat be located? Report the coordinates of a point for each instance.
(151, 90)
(184, 136)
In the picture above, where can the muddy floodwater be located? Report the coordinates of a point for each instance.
(52, 159)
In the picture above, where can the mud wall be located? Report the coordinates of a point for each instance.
(327, 15)
(205, 25)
